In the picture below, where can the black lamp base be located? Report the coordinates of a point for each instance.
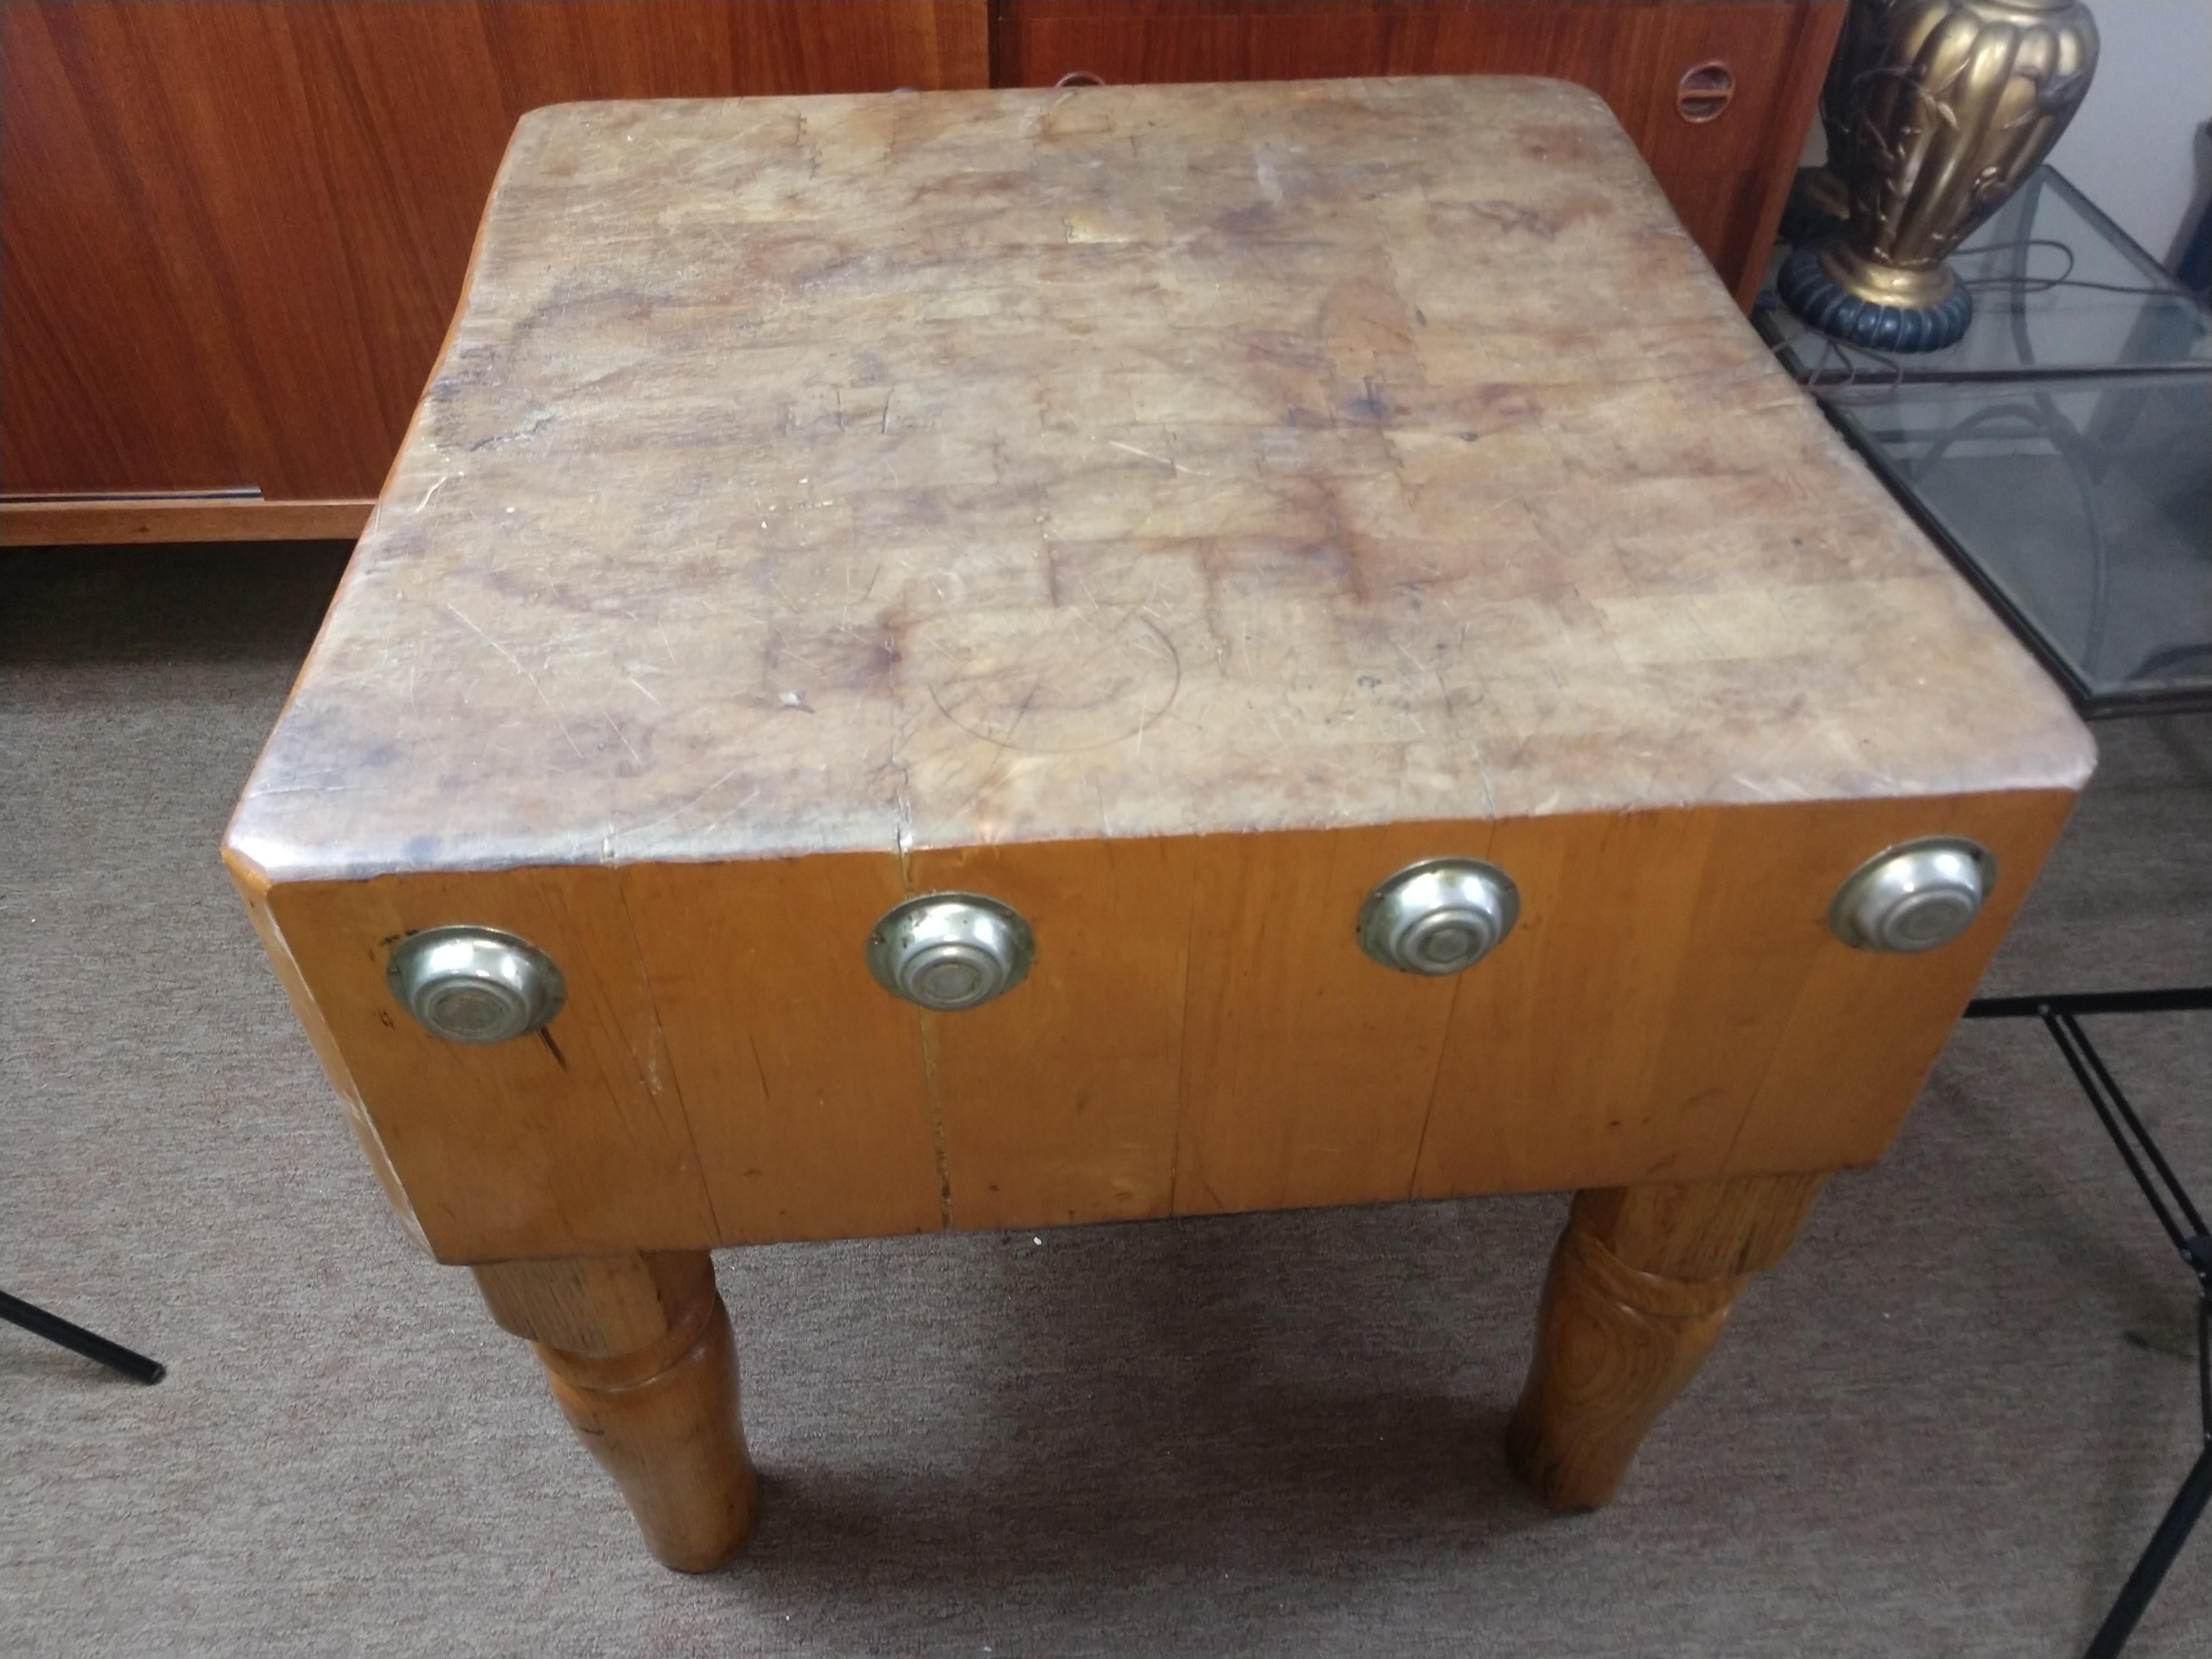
(1824, 303)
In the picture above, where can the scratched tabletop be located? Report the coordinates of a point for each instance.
(822, 474)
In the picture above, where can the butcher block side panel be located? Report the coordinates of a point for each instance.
(567, 1143)
(253, 889)
(747, 1087)
(1307, 1068)
(1673, 1006)
(1201, 1031)
(1059, 1099)
(1865, 1031)
(1556, 1034)
(803, 1082)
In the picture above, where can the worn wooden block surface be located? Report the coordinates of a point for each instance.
(839, 474)
(1168, 510)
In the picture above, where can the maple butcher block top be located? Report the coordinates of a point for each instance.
(872, 473)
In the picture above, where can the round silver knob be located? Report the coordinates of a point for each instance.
(1440, 916)
(951, 951)
(475, 984)
(1914, 895)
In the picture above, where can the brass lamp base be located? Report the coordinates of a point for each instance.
(1818, 285)
(1935, 112)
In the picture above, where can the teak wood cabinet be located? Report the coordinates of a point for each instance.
(233, 232)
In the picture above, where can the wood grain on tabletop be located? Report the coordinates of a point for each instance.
(234, 230)
(1727, 177)
(1169, 510)
(866, 474)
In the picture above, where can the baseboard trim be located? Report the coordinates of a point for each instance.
(94, 520)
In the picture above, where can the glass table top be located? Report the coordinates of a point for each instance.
(2061, 454)
(2057, 288)
(2084, 509)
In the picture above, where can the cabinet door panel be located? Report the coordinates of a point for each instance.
(233, 231)
(1726, 176)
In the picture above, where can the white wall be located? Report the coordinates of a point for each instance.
(2132, 146)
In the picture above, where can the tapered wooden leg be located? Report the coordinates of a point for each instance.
(1640, 1285)
(639, 1351)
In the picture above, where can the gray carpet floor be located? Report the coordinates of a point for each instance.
(1945, 1426)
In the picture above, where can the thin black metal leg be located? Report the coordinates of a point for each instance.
(2165, 1544)
(2184, 1226)
(78, 1340)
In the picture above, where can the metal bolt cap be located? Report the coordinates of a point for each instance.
(475, 984)
(951, 951)
(1440, 916)
(1914, 895)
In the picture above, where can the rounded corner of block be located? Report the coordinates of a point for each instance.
(1574, 92)
(530, 121)
(259, 863)
(2080, 761)
(2067, 752)
(1572, 99)
(245, 859)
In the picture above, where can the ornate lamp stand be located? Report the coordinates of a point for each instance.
(1935, 110)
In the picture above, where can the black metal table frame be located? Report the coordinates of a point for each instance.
(2184, 1229)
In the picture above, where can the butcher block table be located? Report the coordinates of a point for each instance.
(1013, 658)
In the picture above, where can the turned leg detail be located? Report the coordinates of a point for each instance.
(639, 1351)
(1640, 1287)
